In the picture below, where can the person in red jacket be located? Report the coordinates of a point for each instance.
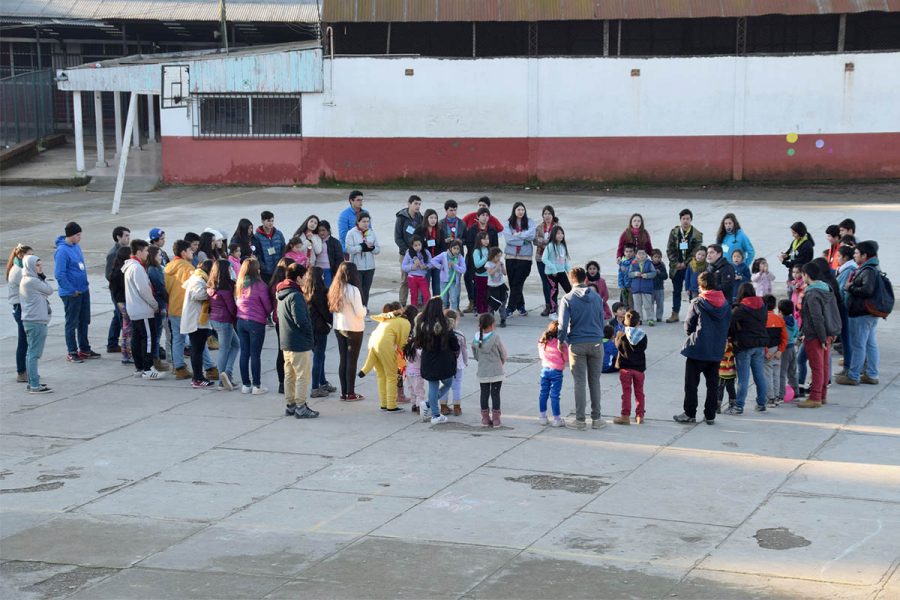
(483, 202)
(778, 341)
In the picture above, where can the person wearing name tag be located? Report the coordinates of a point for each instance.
(684, 239)
(408, 220)
(71, 275)
(519, 249)
(362, 246)
(433, 243)
(270, 245)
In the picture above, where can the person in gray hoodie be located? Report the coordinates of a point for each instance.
(581, 326)
(820, 321)
(141, 306)
(34, 292)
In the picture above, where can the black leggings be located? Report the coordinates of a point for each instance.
(727, 384)
(518, 271)
(491, 390)
(279, 360)
(198, 344)
(556, 281)
(349, 344)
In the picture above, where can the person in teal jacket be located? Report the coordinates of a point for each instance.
(732, 237)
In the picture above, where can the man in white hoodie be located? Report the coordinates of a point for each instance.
(141, 307)
(34, 292)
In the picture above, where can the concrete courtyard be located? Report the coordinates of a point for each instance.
(113, 487)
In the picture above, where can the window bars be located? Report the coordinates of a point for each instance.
(247, 116)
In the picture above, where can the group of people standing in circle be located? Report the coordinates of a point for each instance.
(213, 295)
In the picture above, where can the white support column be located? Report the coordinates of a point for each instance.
(79, 132)
(130, 122)
(117, 109)
(98, 129)
(151, 119)
(136, 132)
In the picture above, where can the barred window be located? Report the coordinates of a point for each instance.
(247, 116)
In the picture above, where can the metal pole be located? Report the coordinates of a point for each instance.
(388, 50)
(36, 88)
(842, 33)
(151, 121)
(136, 128)
(130, 122)
(473, 39)
(79, 132)
(98, 129)
(606, 37)
(117, 113)
(222, 25)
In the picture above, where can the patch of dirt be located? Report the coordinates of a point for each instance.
(780, 538)
(43, 487)
(574, 484)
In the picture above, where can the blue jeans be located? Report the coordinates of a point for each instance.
(327, 276)
(115, 326)
(229, 346)
(252, 335)
(436, 389)
(178, 345)
(457, 389)
(746, 361)
(22, 346)
(451, 297)
(37, 335)
(78, 317)
(551, 384)
(865, 347)
(320, 343)
(434, 279)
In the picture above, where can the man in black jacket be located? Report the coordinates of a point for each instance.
(408, 220)
(862, 287)
(722, 270)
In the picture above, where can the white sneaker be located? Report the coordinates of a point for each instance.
(246, 389)
(557, 422)
(543, 420)
(554, 317)
(259, 391)
(226, 382)
(438, 419)
(152, 373)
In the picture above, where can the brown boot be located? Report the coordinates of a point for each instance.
(21, 377)
(445, 410)
(485, 418)
(469, 308)
(160, 365)
(546, 311)
(212, 343)
(495, 418)
(183, 373)
(622, 420)
(212, 374)
(457, 410)
(673, 318)
(809, 404)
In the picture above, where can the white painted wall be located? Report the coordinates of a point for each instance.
(598, 97)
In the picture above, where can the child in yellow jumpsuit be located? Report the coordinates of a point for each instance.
(389, 337)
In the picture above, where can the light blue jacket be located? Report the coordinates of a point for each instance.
(555, 259)
(738, 241)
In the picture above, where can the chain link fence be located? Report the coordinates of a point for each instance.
(26, 106)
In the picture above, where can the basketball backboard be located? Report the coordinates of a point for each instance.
(175, 86)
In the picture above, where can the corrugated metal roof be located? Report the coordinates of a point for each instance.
(290, 11)
(341, 11)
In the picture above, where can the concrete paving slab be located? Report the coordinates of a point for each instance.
(702, 584)
(15, 521)
(305, 511)
(653, 546)
(514, 503)
(867, 449)
(438, 570)
(891, 588)
(341, 429)
(16, 449)
(857, 546)
(757, 437)
(36, 488)
(845, 479)
(114, 542)
(140, 584)
(393, 466)
(880, 416)
(352, 590)
(39, 581)
(248, 552)
(532, 576)
(698, 487)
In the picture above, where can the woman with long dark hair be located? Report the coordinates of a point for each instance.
(541, 239)
(222, 317)
(316, 295)
(439, 346)
(14, 271)
(800, 251)
(433, 243)
(308, 232)
(635, 234)
(254, 305)
(243, 236)
(731, 237)
(349, 312)
(519, 236)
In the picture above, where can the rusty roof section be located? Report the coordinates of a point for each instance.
(380, 11)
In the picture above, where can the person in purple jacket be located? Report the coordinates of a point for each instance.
(451, 267)
(253, 308)
(222, 317)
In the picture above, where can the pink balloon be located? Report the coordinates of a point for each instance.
(788, 393)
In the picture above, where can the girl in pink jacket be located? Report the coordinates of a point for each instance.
(554, 356)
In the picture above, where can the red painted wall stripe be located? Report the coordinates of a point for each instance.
(516, 160)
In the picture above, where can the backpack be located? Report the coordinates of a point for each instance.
(882, 301)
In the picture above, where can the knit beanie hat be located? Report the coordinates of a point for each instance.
(72, 228)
